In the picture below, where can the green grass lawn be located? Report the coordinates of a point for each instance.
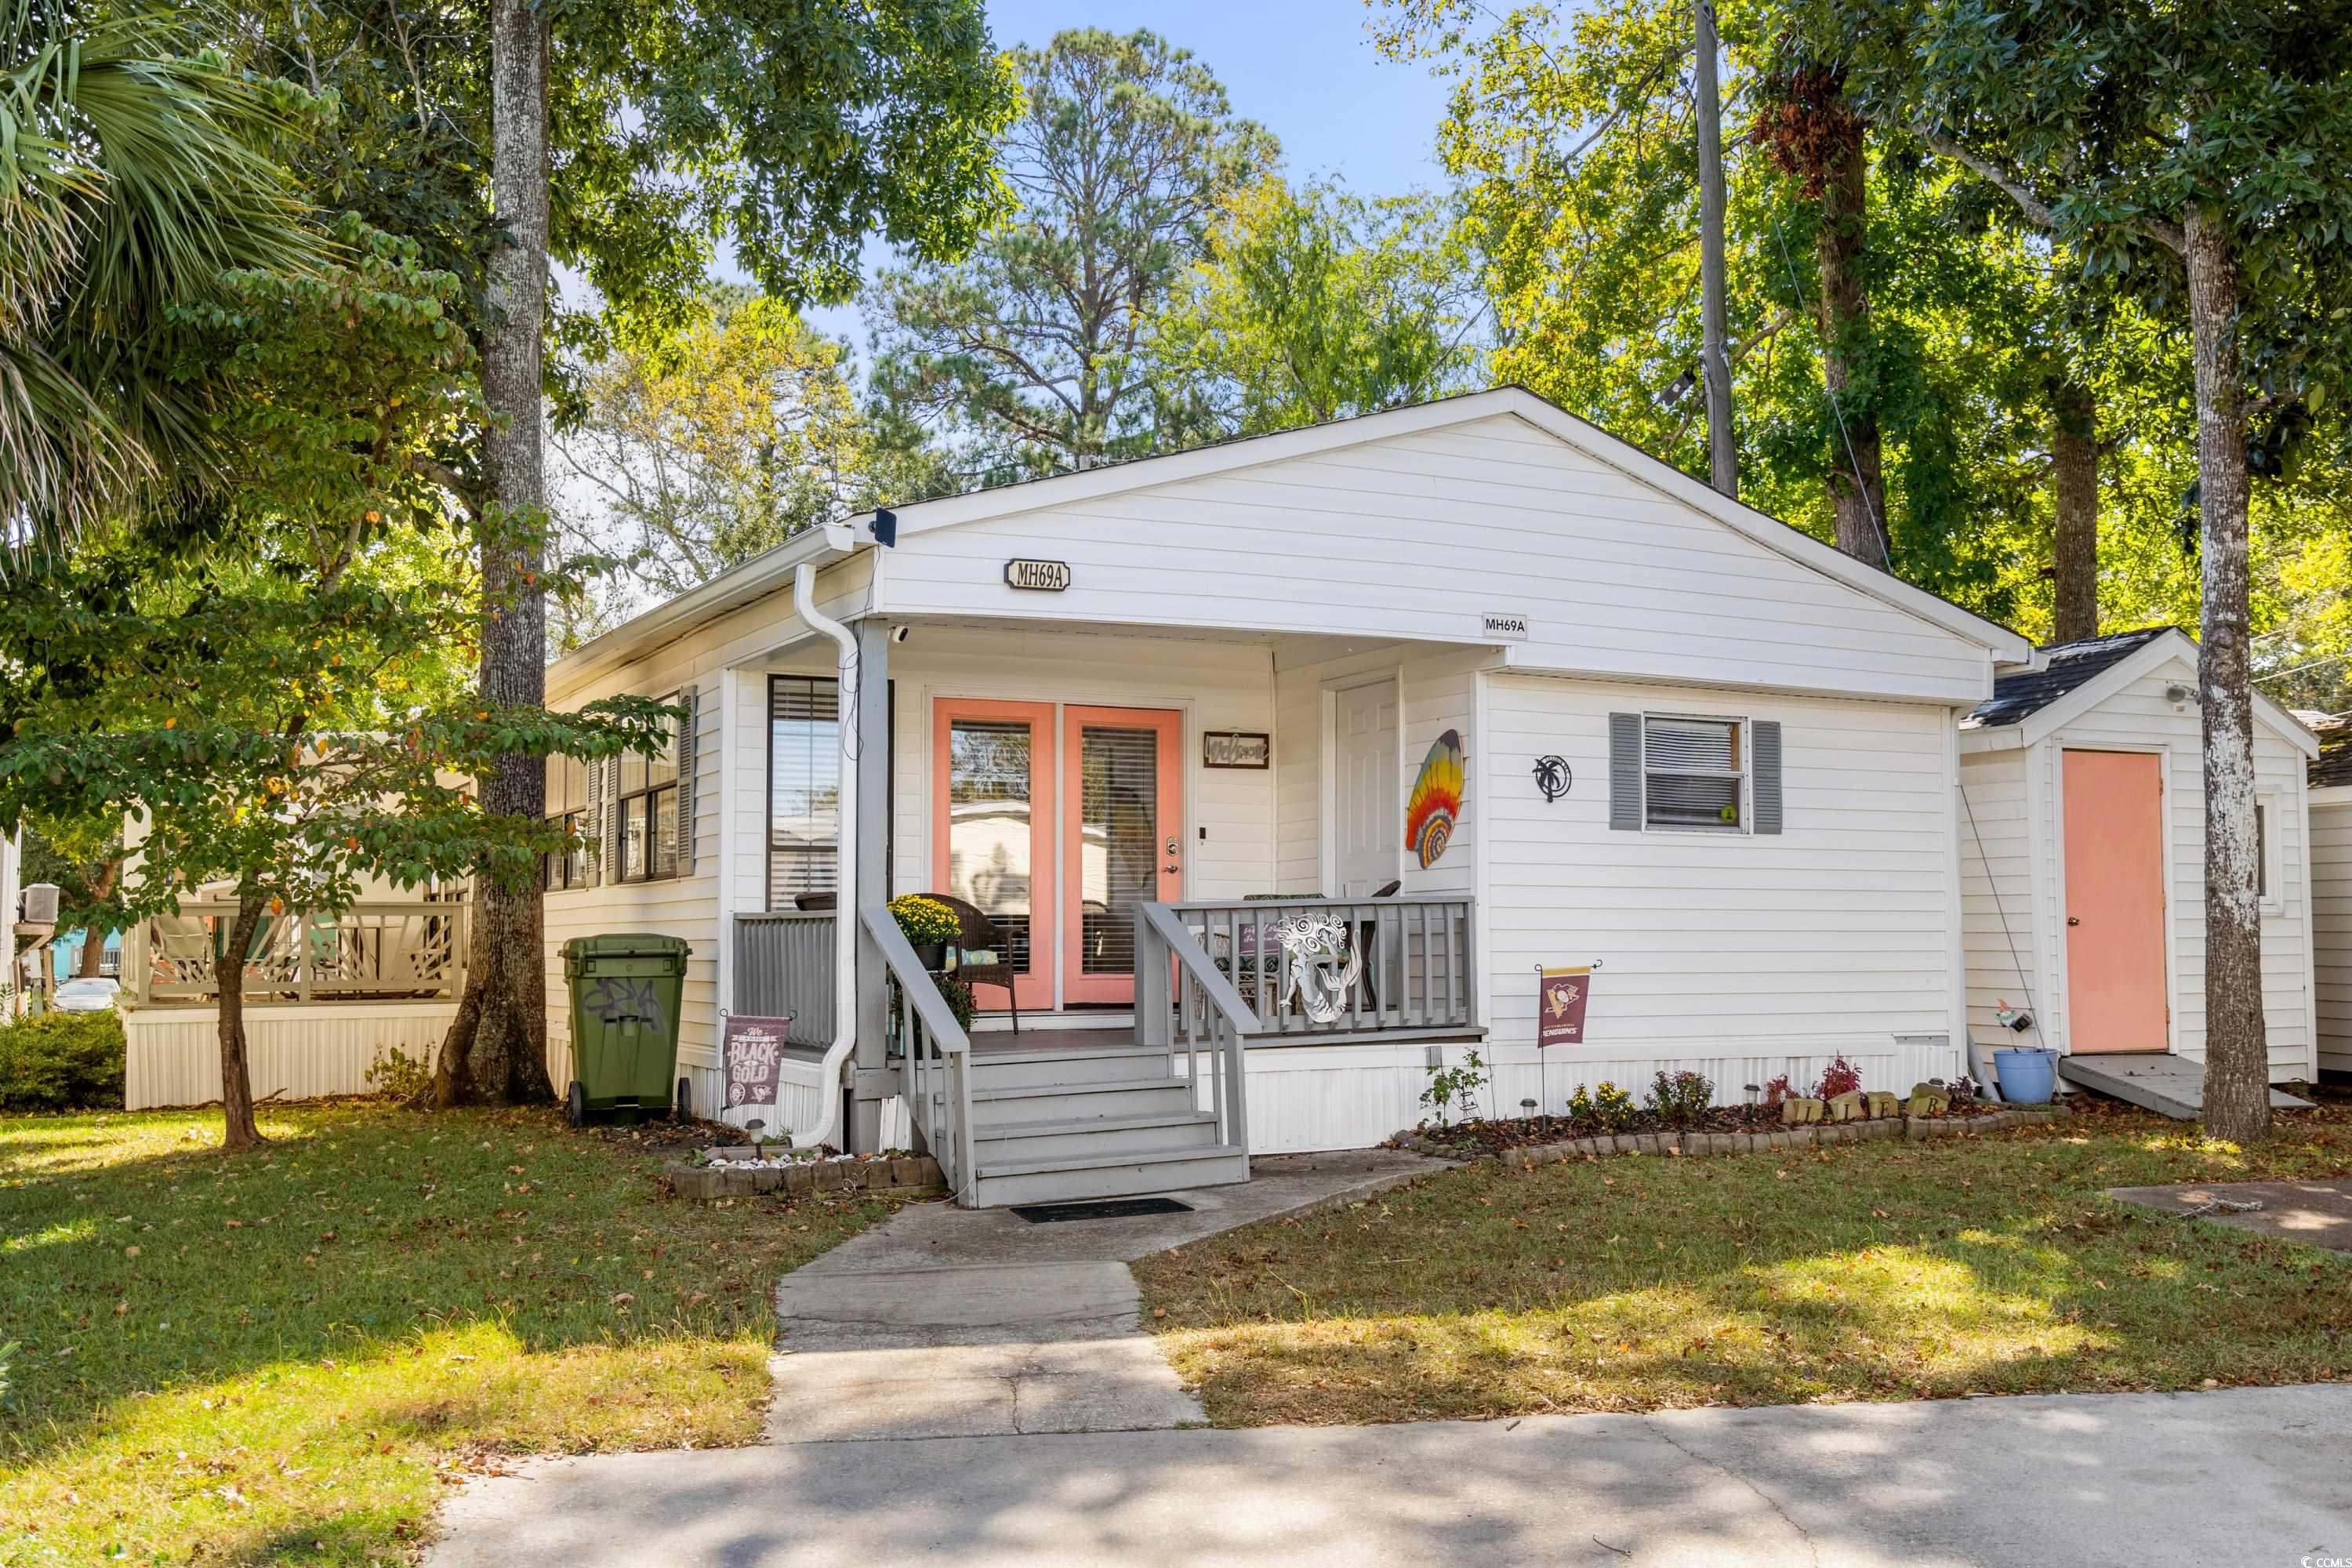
(282, 1356)
(1891, 1271)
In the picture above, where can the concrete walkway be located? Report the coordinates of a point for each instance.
(946, 1324)
(2243, 1476)
(2319, 1212)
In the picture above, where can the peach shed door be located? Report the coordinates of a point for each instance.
(2117, 993)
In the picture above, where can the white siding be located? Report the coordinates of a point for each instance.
(2139, 718)
(1417, 536)
(1997, 889)
(295, 1050)
(1743, 951)
(2331, 905)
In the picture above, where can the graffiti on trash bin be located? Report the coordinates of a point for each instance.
(613, 1000)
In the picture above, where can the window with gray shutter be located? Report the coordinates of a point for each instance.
(595, 821)
(1625, 772)
(1694, 775)
(1765, 735)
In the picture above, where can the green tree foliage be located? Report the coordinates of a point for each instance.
(1033, 355)
(1315, 304)
(268, 696)
(133, 173)
(708, 445)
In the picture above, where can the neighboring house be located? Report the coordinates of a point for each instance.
(1142, 714)
(2331, 890)
(2083, 853)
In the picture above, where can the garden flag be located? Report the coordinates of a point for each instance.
(1561, 996)
(754, 1048)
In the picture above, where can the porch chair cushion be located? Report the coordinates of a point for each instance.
(982, 955)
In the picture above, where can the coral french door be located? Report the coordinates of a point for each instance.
(1122, 814)
(993, 830)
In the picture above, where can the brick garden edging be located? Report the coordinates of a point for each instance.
(907, 1174)
(1912, 1129)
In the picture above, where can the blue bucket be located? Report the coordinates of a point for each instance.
(2027, 1076)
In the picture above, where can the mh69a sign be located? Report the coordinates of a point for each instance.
(1037, 576)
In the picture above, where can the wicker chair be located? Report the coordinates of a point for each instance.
(980, 934)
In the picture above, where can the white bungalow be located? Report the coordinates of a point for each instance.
(2083, 849)
(1143, 715)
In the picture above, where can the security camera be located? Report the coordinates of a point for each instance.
(899, 634)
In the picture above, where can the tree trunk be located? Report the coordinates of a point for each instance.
(229, 980)
(1857, 490)
(2075, 510)
(497, 1046)
(2237, 1054)
(94, 947)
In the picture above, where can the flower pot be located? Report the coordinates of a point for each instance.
(932, 955)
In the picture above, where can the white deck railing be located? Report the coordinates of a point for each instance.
(374, 951)
(1414, 971)
(1183, 1001)
(935, 1056)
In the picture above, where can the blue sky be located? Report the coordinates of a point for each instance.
(1306, 69)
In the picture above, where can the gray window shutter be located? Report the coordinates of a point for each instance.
(689, 752)
(596, 823)
(1766, 743)
(1625, 772)
(612, 839)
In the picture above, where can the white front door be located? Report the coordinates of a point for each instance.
(1368, 828)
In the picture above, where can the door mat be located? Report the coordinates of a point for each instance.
(1101, 1208)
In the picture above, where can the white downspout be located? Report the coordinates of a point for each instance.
(846, 916)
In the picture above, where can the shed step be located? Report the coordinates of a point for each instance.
(1031, 1142)
(1109, 1176)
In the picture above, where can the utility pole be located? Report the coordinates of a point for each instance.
(1722, 455)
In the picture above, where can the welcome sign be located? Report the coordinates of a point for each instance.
(750, 1055)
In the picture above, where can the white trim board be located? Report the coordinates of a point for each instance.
(2045, 722)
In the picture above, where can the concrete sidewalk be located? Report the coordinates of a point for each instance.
(944, 1323)
(2241, 1476)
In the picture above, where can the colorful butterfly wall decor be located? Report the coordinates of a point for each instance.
(1434, 807)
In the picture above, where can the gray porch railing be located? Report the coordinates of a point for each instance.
(1417, 976)
(784, 964)
(1183, 1001)
(376, 950)
(936, 1060)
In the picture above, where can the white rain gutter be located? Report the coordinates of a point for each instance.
(845, 915)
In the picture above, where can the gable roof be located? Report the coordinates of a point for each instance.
(1225, 456)
(2056, 671)
(772, 571)
(2068, 679)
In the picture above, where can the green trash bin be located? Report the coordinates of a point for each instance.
(626, 990)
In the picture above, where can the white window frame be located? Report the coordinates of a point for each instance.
(1744, 738)
(2269, 851)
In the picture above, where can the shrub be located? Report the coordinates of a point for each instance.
(1683, 1099)
(1452, 1086)
(1605, 1106)
(1838, 1078)
(62, 1061)
(398, 1075)
(1775, 1090)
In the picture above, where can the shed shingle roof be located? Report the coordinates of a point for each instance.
(2334, 764)
(2016, 698)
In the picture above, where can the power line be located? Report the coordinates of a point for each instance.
(1877, 523)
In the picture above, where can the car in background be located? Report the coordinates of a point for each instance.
(95, 995)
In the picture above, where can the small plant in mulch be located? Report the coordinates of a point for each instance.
(1680, 1100)
(1777, 1089)
(1841, 1076)
(1452, 1087)
(1604, 1109)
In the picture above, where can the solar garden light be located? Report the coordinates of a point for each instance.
(1752, 1092)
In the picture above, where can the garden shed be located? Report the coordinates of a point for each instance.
(2082, 848)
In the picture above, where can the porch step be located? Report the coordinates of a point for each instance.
(1053, 1068)
(1031, 1143)
(1034, 1102)
(1067, 1179)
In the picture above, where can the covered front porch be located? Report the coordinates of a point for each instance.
(1186, 855)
